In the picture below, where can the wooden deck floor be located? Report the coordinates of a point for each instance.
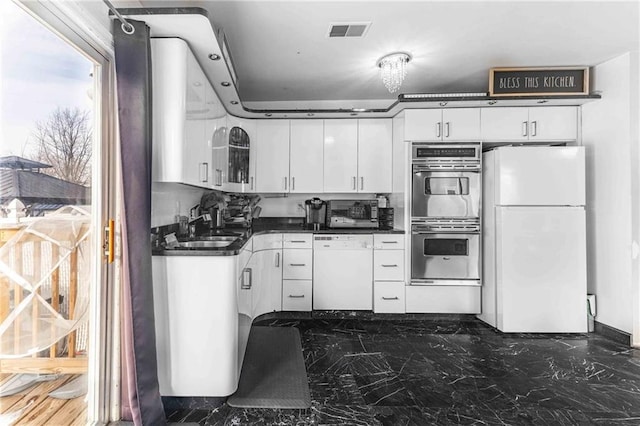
(37, 408)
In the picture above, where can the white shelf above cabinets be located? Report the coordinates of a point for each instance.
(442, 125)
(532, 124)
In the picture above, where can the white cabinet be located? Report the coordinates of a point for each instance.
(358, 155)
(532, 124)
(388, 297)
(297, 272)
(451, 124)
(192, 294)
(374, 155)
(388, 273)
(266, 264)
(553, 123)
(306, 156)
(296, 295)
(340, 155)
(233, 154)
(181, 150)
(272, 147)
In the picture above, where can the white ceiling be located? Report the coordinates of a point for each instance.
(284, 59)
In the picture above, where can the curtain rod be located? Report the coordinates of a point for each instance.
(126, 26)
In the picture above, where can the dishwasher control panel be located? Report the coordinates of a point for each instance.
(342, 241)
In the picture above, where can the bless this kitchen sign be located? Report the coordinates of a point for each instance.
(538, 81)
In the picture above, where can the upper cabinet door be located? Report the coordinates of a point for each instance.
(374, 155)
(461, 124)
(197, 157)
(553, 123)
(505, 124)
(423, 125)
(169, 80)
(340, 155)
(306, 165)
(272, 145)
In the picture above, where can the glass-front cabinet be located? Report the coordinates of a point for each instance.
(233, 161)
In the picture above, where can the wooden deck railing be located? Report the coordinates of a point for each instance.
(31, 258)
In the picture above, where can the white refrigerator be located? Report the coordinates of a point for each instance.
(534, 240)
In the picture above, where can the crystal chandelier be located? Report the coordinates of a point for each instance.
(393, 70)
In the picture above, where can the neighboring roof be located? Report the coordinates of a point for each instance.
(15, 162)
(34, 187)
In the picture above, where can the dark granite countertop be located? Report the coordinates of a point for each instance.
(263, 226)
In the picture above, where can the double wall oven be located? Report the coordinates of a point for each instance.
(445, 214)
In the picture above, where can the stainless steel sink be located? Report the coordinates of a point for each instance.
(219, 242)
(230, 237)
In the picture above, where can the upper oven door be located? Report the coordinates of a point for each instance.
(445, 194)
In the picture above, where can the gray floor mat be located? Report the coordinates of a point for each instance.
(273, 373)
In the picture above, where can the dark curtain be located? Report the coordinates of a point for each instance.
(141, 398)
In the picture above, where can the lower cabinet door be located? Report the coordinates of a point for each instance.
(388, 297)
(296, 295)
(446, 299)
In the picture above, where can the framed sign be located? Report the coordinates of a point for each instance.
(560, 81)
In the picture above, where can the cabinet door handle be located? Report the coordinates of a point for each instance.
(251, 182)
(296, 296)
(246, 279)
(298, 264)
(438, 129)
(293, 183)
(361, 183)
(534, 128)
(204, 172)
(389, 266)
(447, 126)
(390, 298)
(218, 177)
(277, 260)
(285, 183)
(524, 128)
(389, 242)
(354, 183)
(298, 241)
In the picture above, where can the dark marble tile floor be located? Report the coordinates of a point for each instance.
(448, 371)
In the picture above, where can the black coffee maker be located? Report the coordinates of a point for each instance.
(316, 210)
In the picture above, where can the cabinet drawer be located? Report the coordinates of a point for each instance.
(296, 295)
(267, 241)
(297, 264)
(388, 241)
(447, 299)
(388, 297)
(388, 265)
(303, 241)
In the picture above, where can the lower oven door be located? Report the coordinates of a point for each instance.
(445, 256)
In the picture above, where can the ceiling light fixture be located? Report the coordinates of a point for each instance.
(393, 70)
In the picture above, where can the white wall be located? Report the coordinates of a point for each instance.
(606, 134)
(171, 199)
(293, 204)
(635, 192)
(401, 166)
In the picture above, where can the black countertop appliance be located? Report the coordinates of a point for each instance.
(316, 213)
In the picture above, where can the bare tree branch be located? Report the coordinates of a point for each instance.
(64, 141)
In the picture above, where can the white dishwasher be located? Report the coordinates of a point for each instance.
(343, 271)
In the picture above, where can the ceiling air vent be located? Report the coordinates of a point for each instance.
(349, 29)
